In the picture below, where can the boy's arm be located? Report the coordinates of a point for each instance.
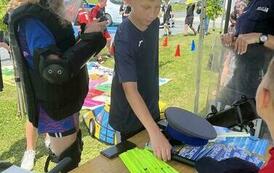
(160, 144)
(138, 106)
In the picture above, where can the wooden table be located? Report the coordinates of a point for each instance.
(102, 164)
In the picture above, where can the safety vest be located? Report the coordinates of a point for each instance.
(58, 100)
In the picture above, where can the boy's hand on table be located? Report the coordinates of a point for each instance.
(160, 145)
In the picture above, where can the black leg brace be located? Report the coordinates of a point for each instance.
(73, 152)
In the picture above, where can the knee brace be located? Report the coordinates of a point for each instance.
(73, 152)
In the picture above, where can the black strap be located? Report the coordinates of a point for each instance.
(52, 157)
(47, 164)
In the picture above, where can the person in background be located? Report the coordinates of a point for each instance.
(3, 45)
(189, 18)
(239, 7)
(125, 9)
(229, 55)
(167, 15)
(82, 19)
(97, 13)
(253, 45)
(206, 21)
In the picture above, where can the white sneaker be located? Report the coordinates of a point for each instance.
(28, 160)
(47, 142)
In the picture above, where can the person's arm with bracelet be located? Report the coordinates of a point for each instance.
(244, 40)
(270, 42)
(240, 43)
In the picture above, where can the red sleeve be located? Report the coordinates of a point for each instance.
(269, 167)
(107, 35)
(83, 17)
(93, 13)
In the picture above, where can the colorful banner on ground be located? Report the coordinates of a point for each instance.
(100, 85)
(97, 102)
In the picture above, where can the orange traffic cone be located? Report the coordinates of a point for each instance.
(165, 42)
(178, 52)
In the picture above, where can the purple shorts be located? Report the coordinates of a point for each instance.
(60, 128)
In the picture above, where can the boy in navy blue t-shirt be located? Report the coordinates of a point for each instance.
(135, 88)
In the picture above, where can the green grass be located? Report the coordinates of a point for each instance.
(178, 92)
(93, 1)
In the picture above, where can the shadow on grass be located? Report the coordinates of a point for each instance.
(84, 129)
(162, 64)
(16, 151)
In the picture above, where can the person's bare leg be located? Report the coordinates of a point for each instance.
(193, 30)
(29, 155)
(186, 29)
(69, 146)
(58, 145)
(31, 136)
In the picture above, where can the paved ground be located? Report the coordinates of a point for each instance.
(179, 19)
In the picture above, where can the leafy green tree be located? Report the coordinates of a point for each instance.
(3, 9)
(214, 8)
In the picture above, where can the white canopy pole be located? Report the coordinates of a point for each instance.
(199, 57)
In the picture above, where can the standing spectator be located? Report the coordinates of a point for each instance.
(206, 20)
(238, 10)
(98, 13)
(167, 16)
(125, 9)
(82, 19)
(3, 45)
(189, 18)
(251, 44)
(229, 55)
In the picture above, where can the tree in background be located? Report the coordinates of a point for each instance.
(3, 9)
(214, 8)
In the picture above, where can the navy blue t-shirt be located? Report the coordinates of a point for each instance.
(136, 60)
(257, 17)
